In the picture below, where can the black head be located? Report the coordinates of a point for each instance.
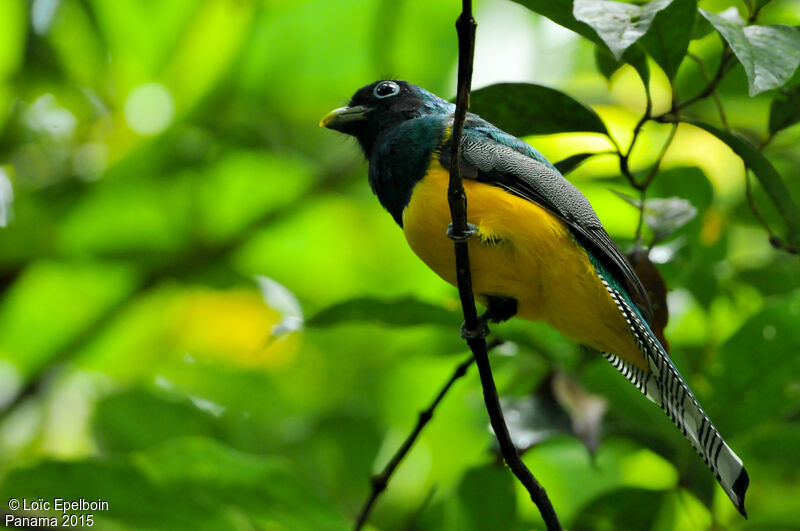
(380, 106)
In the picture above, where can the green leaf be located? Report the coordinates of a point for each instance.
(13, 30)
(618, 24)
(774, 443)
(406, 311)
(702, 27)
(486, 495)
(668, 37)
(524, 109)
(190, 483)
(626, 508)
(118, 421)
(776, 278)
(785, 110)
(570, 163)
(767, 175)
(561, 12)
(755, 375)
(769, 54)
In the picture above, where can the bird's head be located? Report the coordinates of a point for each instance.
(381, 106)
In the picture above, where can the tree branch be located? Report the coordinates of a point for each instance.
(380, 481)
(460, 232)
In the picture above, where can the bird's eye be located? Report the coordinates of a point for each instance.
(386, 89)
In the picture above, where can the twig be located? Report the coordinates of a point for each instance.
(701, 63)
(724, 60)
(648, 180)
(465, 26)
(625, 157)
(651, 174)
(380, 481)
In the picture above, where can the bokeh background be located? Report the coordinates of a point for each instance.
(173, 219)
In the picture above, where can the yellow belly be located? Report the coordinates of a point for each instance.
(523, 252)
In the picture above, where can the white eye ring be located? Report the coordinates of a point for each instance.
(380, 89)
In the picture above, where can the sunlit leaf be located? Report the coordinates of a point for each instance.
(561, 12)
(785, 110)
(399, 312)
(769, 54)
(618, 24)
(607, 64)
(39, 314)
(767, 175)
(12, 35)
(524, 109)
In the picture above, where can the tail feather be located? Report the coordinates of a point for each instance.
(664, 386)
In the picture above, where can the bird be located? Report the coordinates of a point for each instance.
(539, 250)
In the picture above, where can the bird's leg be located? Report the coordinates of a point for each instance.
(499, 309)
(482, 330)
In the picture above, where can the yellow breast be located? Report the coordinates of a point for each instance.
(523, 252)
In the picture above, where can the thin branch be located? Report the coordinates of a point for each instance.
(724, 61)
(380, 481)
(701, 63)
(648, 180)
(651, 174)
(637, 129)
(460, 231)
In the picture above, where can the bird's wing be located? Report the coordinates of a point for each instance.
(494, 157)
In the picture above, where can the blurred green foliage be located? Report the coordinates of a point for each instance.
(155, 157)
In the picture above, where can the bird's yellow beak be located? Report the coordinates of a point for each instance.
(339, 118)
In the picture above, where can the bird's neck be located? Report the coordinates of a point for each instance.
(400, 158)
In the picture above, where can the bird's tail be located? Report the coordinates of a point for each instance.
(664, 386)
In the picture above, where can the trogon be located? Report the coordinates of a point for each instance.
(540, 251)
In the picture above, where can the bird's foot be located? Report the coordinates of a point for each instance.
(482, 330)
(471, 231)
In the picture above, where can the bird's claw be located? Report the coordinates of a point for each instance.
(471, 231)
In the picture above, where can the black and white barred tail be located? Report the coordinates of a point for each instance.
(664, 386)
